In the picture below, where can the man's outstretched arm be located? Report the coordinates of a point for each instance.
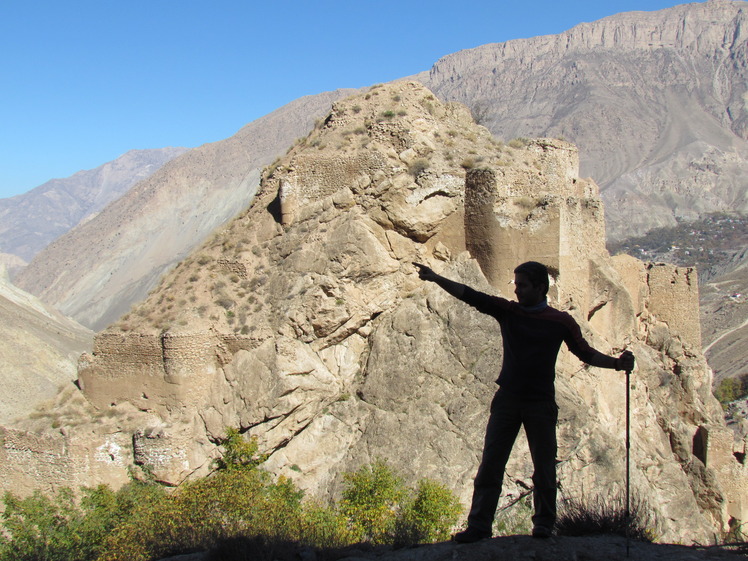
(456, 289)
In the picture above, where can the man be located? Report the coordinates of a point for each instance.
(532, 334)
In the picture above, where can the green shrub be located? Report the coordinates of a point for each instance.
(238, 512)
(732, 389)
(429, 516)
(379, 506)
(371, 500)
(193, 518)
(238, 452)
(58, 527)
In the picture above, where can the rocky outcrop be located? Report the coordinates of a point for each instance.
(303, 323)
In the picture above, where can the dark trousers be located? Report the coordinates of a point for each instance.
(508, 413)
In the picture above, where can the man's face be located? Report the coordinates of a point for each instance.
(527, 293)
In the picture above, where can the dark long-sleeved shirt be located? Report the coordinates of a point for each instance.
(532, 340)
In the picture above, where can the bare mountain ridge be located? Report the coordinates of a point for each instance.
(617, 88)
(654, 100)
(133, 241)
(29, 222)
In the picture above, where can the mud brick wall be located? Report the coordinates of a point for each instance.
(312, 179)
(171, 370)
(674, 299)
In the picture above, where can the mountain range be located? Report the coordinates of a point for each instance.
(652, 99)
(31, 221)
(656, 102)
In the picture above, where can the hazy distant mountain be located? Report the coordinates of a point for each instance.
(654, 100)
(39, 350)
(29, 222)
(95, 272)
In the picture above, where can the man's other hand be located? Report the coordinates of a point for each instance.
(626, 361)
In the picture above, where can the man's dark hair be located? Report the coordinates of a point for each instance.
(536, 273)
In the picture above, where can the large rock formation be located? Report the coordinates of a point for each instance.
(303, 322)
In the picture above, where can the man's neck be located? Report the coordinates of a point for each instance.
(539, 307)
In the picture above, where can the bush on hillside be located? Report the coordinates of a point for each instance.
(732, 389)
(59, 527)
(371, 500)
(238, 506)
(428, 516)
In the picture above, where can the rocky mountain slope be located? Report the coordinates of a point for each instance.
(39, 350)
(302, 322)
(29, 222)
(97, 271)
(654, 100)
(725, 317)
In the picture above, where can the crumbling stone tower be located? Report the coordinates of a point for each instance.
(542, 213)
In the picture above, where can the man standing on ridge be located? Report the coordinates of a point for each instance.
(532, 334)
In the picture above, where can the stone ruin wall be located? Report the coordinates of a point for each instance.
(674, 299)
(717, 449)
(149, 371)
(30, 462)
(310, 179)
(543, 214)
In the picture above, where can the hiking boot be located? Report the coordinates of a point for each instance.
(471, 535)
(541, 532)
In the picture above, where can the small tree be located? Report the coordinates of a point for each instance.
(428, 516)
(371, 500)
(238, 452)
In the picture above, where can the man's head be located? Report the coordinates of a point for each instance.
(531, 283)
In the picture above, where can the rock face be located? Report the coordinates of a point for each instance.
(654, 100)
(303, 322)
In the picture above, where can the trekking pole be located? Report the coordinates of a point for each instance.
(628, 460)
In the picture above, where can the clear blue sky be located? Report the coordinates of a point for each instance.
(83, 81)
